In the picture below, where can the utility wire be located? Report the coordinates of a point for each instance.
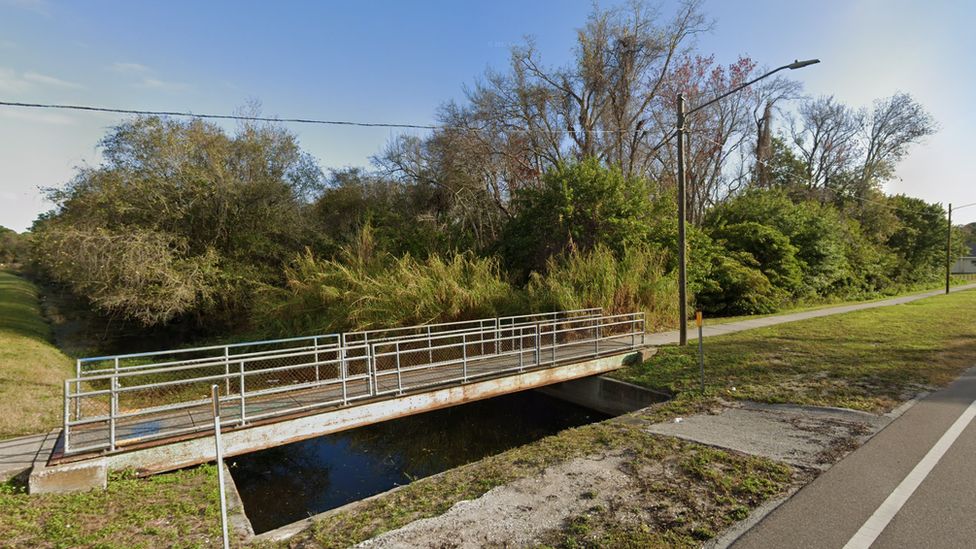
(216, 116)
(90, 108)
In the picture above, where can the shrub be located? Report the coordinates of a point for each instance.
(635, 282)
(365, 289)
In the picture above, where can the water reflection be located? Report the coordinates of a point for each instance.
(287, 483)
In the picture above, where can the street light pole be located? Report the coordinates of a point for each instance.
(948, 265)
(682, 191)
(948, 248)
(682, 216)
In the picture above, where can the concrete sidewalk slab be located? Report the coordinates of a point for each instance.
(804, 436)
(17, 454)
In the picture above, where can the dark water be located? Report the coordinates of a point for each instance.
(284, 484)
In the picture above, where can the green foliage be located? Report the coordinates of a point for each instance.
(181, 220)
(366, 288)
(578, 206)
(816, 232)
(635, 282)
(734, 285)
(919, 239)
(769, 249)
(13, 247)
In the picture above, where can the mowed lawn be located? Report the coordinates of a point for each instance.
(868, 360)
(32, 370)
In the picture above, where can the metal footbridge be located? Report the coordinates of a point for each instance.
(116, 404)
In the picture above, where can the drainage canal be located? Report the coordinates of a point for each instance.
(288, 483)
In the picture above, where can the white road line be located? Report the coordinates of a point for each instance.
(871, 529)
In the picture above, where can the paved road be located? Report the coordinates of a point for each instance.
(912, 485)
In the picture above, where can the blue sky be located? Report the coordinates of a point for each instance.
(397, 61)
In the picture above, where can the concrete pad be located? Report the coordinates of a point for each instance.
(803, 436)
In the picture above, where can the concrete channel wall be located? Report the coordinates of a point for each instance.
(604, 394)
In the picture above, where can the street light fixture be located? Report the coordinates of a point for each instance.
(682, 191)
(949, 242)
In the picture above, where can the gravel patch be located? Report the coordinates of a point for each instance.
(518, 513)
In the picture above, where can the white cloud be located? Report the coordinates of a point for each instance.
(13, 82)
(150, 83)
(129, 67)
(46, 80)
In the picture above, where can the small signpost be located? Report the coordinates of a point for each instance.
(701, 352)
(215, 393)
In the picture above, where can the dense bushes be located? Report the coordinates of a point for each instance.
(367, 288)
(180, 222)
(186, 226)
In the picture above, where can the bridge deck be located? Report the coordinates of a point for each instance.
(197, 420)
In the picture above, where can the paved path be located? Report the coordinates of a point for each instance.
(665, 338)
(912, 485)
(17, 454)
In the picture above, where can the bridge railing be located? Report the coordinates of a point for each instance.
(270, 356)
(106, 410)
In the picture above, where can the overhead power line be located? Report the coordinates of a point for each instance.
(89, 108)
(217, 116)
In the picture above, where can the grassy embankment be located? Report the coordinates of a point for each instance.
(868, 360)
(31, 368)
(174, 510)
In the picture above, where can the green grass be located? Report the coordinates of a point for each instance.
(178, 509)
(32, 370)
(867, 360)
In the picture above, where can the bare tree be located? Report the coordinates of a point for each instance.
(825, 133)
(892, 126)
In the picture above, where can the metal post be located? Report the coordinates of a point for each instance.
(521, 361)
(464, 357)
(597, 339)
(78, 389)
(538, 345)
(948, 248)
(113, 409)
(315, 342)
(496, 335)
(219, 450)
(342, 379)
(682, 204)
(553, 342)
(343, 362)
(701, 351)
(227, 369)
(399, 378)
(243, 401)
(371, 368)
(67, 415)
(430, 350)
